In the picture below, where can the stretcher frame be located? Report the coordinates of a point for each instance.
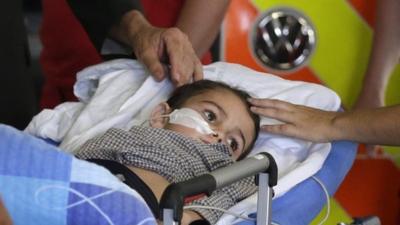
(262, 166)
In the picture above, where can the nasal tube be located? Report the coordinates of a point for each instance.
(190, 118)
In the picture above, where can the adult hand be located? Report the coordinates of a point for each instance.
(299, 121)
(157, 47)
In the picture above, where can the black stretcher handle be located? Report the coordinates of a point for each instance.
(175, 194)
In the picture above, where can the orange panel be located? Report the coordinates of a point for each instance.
(366, 9)
(241, 15)
(372, 187)
(304, 74)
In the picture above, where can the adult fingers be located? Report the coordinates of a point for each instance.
(198, 70)
(174, 42)
(271, 103)
(275, 113)
(150, 59)
(184, 62)
(282, 129)
(296, 131)
(148, 47)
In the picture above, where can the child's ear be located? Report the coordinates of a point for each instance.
(157, 117)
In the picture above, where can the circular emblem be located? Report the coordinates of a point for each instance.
(282, 39)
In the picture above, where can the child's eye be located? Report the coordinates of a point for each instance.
(210, 116)
(233, 144)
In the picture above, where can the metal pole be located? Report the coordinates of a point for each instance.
(168, 217)
(241, 169)
(264, 200)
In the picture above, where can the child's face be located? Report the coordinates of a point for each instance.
(226, 114)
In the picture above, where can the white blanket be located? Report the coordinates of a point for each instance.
(121, 93)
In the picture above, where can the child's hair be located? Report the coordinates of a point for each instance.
(185, 92)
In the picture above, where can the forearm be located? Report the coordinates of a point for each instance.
(370, 126)
(385, 51)
(201, 21)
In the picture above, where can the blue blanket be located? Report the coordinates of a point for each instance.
(41, 185)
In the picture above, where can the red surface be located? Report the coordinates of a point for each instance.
(366, 9)
(66, 50)
(372, 187)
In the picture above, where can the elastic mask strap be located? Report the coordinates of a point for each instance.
(156, 117)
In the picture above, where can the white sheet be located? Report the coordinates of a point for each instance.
(121, 93)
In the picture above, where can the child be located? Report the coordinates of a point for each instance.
(203, 126)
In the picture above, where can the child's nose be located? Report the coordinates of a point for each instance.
(209, 138)
(219, 136)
